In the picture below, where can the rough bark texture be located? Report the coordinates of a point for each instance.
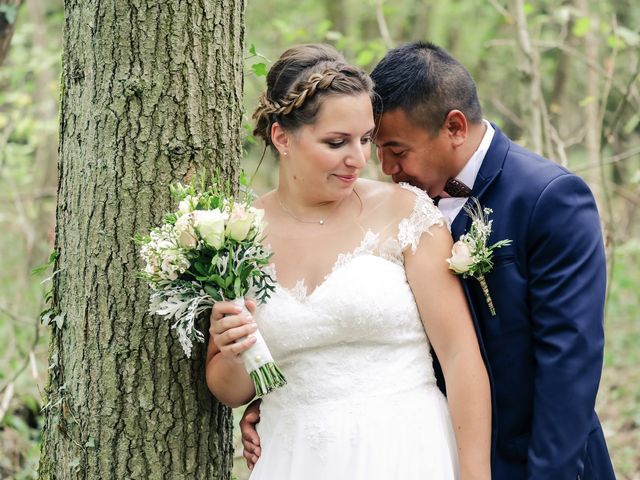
(151, 93)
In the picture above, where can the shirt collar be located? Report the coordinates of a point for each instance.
(470, 171)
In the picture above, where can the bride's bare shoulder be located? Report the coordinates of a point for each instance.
(395, 198)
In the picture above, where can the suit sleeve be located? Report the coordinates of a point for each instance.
(567, 271)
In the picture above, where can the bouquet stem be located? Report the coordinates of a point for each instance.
(259, 363)
(487, 296)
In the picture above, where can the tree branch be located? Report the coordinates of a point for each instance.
(382, 25)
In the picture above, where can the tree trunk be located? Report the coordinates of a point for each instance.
(151, 94)
(337, 15)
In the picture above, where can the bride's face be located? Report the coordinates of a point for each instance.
(324, 159)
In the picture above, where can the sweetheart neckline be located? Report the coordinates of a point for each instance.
(299, 291)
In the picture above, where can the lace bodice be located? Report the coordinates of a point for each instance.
(360, 327)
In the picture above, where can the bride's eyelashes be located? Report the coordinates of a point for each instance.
(335, 143)
(339, 143)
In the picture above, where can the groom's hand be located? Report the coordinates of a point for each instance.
(250, 438)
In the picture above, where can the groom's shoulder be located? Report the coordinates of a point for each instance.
(521, 165)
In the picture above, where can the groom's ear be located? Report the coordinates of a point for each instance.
(279, 138)
(457, 127)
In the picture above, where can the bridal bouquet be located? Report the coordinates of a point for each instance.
(210, 250)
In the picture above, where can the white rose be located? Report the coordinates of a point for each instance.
(186, 232)
(258, 217)
(461, 258)
(188, 204)
(210, 225)
(240, 223)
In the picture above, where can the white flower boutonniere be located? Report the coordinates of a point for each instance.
(471, 256)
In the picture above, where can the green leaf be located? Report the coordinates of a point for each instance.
(586, 101)
(59, 319)
(244, 181)
(200, 268)
(236, 287)
(614, 42)
(45, 266)
(10, 13)
(260, 69)
(581, 27)
(212, 291)
(218, 280)
(252, 49)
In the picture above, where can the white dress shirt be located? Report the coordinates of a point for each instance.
(450, 207)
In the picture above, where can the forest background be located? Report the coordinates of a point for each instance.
(559, 76)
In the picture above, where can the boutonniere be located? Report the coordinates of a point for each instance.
(471, 256)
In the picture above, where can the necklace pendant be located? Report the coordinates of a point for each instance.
(321, 222)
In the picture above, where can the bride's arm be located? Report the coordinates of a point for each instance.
(446, 318)
(226, 375)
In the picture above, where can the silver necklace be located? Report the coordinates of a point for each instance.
(320, 222)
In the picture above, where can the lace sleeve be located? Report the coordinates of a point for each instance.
(423, 216)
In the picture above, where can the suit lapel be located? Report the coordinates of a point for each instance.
(489, 170)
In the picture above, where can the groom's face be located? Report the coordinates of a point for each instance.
(410, 153)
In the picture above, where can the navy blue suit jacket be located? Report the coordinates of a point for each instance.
(544, 347)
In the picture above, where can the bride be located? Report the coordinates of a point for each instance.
(363, 289)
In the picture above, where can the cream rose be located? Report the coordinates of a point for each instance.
(240, 223)
(210, 225)
(461, 258)
(186, 232)
(258, 219)
(188, 204)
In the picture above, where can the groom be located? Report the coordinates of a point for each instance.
(543, 347)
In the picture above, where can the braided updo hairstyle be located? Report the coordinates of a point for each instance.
(297, 82)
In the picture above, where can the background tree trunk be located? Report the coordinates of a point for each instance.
(151, 93)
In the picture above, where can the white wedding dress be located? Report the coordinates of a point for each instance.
(361, 402)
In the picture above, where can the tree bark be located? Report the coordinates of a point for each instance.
(151, 94)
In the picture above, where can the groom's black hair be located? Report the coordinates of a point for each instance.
(427, 83)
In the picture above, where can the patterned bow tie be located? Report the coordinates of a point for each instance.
(456, 189)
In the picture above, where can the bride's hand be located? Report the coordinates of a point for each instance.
(228, 326)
